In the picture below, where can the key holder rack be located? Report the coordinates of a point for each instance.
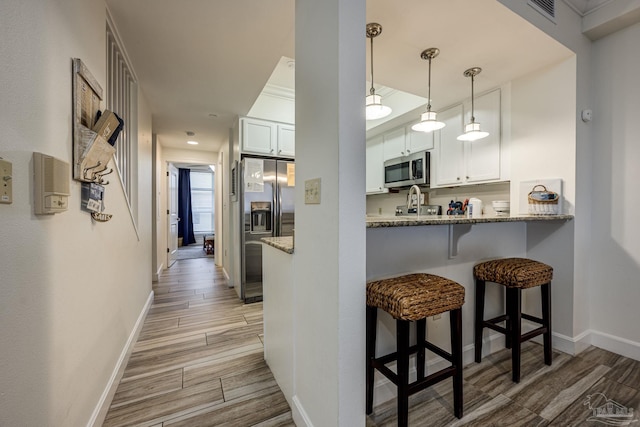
(91, 151)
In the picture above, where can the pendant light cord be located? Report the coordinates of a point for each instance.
(429, 88)
(473, 119)
(372, 91)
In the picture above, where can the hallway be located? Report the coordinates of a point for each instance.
(199, 358)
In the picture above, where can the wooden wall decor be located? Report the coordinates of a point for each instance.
(91, 152)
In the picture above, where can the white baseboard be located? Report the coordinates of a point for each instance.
(158, 273)
(299, 415)
(101, 409)
(614, 344)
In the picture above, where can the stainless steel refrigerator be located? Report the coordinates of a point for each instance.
(267, 198)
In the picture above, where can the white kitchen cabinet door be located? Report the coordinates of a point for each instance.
(394, 144)
(418, 141)
(259, 137)
(286, 140)
(447, 160)
(375, 166)
(483, 156)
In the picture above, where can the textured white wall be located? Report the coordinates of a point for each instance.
(70, 289)
(615, 261)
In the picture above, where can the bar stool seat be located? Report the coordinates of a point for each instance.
(515, 274)
(408, 298)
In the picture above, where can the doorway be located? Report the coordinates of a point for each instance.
(201, 185)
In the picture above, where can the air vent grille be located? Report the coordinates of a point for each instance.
(545, 7)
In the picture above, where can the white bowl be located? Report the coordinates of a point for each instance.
(501, 206)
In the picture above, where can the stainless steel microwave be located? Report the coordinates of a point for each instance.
(408, 170)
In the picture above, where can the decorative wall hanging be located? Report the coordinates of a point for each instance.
(94, 132)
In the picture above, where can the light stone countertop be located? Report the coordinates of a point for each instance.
(285, 244)
(412, 220)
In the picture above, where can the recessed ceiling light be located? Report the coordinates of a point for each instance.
(192, 142)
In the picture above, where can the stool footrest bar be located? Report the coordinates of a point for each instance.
(432, 379)
(532, 318)
(528, 335)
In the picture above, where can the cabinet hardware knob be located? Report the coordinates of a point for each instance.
(467, 177)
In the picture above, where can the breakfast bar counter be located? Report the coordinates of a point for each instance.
(413, 220)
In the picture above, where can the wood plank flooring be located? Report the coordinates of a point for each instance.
(546, 395)
(199, 358)
(199, 362)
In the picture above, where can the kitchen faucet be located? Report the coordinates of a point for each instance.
(416, 189)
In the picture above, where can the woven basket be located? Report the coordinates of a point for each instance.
(543, 201)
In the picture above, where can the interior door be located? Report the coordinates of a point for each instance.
(172, 213)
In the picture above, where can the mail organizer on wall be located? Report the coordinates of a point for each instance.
(94, 132)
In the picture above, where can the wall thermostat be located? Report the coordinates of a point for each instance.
(51, 184)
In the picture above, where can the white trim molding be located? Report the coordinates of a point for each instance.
(299, 415)
(101, 409)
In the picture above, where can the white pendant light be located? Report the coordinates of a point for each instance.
(374, 108)
(472, 130)
(429, 121)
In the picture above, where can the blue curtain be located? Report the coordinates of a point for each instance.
(185, 226)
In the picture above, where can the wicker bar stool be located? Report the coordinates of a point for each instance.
(514, 274)
(414, 297)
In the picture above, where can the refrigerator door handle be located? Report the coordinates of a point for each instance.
(279, 225)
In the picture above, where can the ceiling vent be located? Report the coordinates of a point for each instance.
(546, 7)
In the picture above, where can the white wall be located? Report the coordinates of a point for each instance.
(602, 137)
(615, 258)
(329, 273)
(275, 104)
(71, 290)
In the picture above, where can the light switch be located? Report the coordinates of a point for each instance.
(312, 191)
(6, 182)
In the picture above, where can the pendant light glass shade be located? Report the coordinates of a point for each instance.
(429, 121)
(374, 108)
(472, 131)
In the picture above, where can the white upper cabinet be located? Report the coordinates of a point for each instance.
(286, 140)
(375, 166)
(468, 162)
(447, 160)
(404, 141)
(483, 156)
(394, 144)
(267, 138)
(418, 141)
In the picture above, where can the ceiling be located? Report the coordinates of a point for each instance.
(203, 63)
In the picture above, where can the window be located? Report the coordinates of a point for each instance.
(122, 99)
(202, 202)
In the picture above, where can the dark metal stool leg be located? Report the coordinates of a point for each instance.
(545, 291)
(372, 321)
(480, 287)
(515, 307)
(402, 338)
(421, 330)
(455, 321)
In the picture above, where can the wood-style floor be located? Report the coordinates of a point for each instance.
(199, 362)
(199, 358)
(546, 395)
